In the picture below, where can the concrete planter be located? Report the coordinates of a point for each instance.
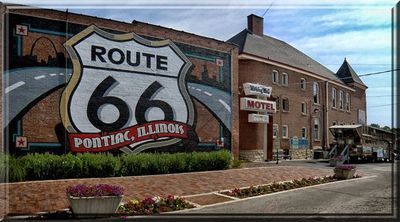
(94, 206)
(344, 174)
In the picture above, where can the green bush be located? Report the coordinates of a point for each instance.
(98, 165)
(86, 165)
(16, 172)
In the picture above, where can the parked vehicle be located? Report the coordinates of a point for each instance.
(361, 143)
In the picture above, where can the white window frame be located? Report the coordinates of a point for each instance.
(275, 77)
(285, 131)
(303, 108)
(304, 129)
(334, 97)
(275, 131)
(278, 103)
(316, 130)
(303, 84)
(341, 102)
(348, 102)
(283, 104)
(316, 93)
(285, 79)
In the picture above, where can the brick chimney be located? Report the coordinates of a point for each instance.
(255, 24)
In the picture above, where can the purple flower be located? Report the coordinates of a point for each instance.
(345, 167)
(97, 190)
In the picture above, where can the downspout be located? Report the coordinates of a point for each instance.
(326, 116)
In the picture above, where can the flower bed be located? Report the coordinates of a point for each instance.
(276, 187)
(154, 205)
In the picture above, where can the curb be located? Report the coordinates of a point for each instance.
(264, 195)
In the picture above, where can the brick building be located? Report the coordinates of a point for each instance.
(309, 96)
(39, 67)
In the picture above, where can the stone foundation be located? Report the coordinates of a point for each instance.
(301, 153)
(251, 155)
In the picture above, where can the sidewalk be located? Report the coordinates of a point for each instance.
(35, 196)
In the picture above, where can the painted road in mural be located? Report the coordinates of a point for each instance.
(23, 86)
(217, 100)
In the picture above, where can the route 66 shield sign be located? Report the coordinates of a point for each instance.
(125, 93)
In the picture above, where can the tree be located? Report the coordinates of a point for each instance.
(375, 125)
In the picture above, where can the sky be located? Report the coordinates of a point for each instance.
(327, 31)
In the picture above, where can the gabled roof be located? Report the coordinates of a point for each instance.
(347, 74)
(276, 50)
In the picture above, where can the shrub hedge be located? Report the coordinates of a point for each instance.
(86, 165)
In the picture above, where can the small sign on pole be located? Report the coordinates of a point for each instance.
(258, 118)
(251, 89)
(257, 105)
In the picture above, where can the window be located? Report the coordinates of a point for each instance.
(316, 92)
(285, 131)
(334, 97)
(304, 108)
(347, 101)
(285, 104)
(285, 79)
(316, 129)
(304, 132)
(334, 123)
(341, 99)
(276, 131)
(303, 84)
(275, 76)
(278, 104)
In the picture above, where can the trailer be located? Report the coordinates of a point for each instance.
(354, 143)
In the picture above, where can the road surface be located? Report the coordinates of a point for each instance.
(363, 196)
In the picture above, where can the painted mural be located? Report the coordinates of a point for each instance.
(75, 88)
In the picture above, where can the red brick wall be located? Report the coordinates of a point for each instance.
(38, 118)
(43, 48)
(257, 72)
(207, 126)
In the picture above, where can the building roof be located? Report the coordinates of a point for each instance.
(277, 50)
(347, 74)
(345, 126)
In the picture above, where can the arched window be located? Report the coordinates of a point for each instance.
(334, 98)
(275, 76)
(285, 79)
(285, 104)
(316, 129)
(303, 84)
(316, 92)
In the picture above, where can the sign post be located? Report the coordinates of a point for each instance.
(261, 106)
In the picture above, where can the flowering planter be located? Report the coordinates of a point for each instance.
(94, 206)
(344, 173)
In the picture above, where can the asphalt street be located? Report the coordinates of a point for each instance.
(369, 195)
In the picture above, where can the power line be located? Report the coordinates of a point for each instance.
(268, 9)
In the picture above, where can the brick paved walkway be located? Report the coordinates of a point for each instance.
(31, 197)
